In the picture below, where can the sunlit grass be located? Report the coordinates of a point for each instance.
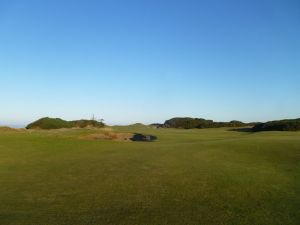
(209, 176)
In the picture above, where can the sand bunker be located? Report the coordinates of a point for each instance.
(110, 135)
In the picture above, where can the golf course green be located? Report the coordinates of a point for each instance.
(188, 177)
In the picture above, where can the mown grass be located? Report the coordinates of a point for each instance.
(209, 176)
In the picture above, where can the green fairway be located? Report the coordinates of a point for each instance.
(186, 177)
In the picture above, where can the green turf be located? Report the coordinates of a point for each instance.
(209, 176)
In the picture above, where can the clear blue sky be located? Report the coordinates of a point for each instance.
(147, 61)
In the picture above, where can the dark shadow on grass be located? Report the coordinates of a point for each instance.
(243, 129)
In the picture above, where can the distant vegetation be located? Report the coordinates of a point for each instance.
(278, 125)
(137, 125)
(57, 123)
(190, 123)
(87, 123)
(177, 122)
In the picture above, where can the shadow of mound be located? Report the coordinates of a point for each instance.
(141, 137)
(243, 129)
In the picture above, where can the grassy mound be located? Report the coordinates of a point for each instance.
(279, 125)
(7, 129)
(57, 123)
(49, 123)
